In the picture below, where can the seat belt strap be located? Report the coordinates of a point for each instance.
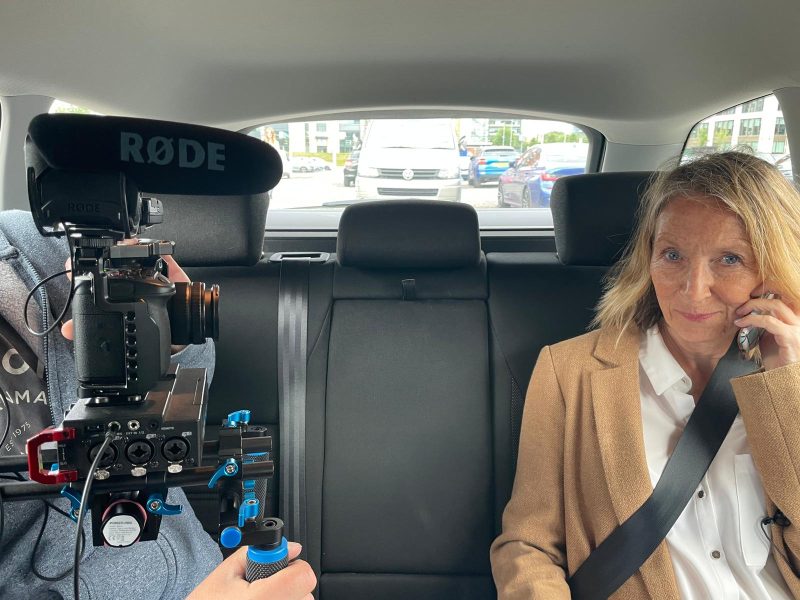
(621, 554)
(292, 362)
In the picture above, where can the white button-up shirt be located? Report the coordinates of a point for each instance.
(717, 545)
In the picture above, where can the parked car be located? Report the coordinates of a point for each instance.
(490, 163)
(319, 164)
(536, 194)
(409, 158)
(303, 164)
(351, 168)
(528, 181)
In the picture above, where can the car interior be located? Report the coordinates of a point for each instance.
(396, 406)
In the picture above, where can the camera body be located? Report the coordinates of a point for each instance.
(128, 314)
(122, 328)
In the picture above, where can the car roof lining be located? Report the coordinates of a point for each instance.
(639, 72)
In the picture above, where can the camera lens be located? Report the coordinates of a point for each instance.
(194, 313)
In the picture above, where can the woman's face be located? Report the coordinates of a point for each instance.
(703, 268)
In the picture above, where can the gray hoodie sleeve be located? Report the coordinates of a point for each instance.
(166, 569)
(198, 356)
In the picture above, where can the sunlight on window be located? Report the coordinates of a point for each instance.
(61, 107)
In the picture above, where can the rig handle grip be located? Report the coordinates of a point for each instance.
(261, 562)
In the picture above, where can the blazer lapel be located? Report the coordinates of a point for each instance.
(618, 419)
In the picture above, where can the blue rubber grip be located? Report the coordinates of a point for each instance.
(264, 563)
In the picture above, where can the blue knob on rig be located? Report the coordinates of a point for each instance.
(239, 417)
(270, 554)
(156, 505)
(230, 537)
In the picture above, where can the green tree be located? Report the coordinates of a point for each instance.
(577, 137)
(505, 136)
(552, 137)
(532, 141)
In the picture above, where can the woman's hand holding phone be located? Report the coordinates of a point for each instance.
(779, 338)
(748, 337)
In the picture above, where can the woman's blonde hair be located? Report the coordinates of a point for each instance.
(767, 204)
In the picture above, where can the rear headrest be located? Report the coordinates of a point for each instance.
(594, 215)
(403, 234)
(212, 231)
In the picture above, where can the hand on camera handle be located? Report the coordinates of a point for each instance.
(263, 563)
(228, 580)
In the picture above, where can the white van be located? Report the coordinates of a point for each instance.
(409, 158)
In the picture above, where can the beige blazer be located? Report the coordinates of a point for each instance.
(582, 469)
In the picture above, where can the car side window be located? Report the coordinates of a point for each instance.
(755, 126)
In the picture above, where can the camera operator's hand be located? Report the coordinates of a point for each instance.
(295, 582)
(174, 273)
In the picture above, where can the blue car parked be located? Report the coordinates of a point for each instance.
(490, 163)
(529, 180)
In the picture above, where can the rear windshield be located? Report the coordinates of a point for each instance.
(486, 163)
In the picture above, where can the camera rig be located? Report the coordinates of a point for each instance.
(137, 425)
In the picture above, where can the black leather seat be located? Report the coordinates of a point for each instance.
(401, 501)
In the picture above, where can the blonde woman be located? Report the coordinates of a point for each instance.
(605, 410)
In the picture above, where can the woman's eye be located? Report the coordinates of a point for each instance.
(731, 259)
(672, 255)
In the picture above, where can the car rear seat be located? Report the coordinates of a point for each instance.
(400, 471)
(414, 405)
(246, 375)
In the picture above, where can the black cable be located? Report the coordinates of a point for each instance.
(33, 568)
(8, 417)
(45, 280)
(47, 507)
(3, 507)
(2, 516)
(87, 488)
(779, 520)
(63, 312)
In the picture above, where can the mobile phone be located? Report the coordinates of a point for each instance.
(748, 337)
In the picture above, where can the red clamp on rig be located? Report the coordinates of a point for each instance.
(35, 466)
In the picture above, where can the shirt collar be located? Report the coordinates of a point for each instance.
(660, 366)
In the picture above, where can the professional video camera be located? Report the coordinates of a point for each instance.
(137, 426)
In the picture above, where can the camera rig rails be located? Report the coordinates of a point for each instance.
(129, 508)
